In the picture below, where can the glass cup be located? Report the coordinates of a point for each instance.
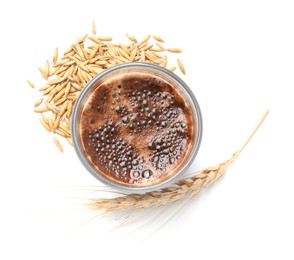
(153, 70)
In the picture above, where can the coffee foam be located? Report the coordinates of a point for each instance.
(136, 129)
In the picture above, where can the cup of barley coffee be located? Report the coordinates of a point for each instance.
(136, 127)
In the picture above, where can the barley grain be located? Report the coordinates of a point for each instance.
(143, 45)
(44, 124)
(58, 144)
(131, 38)
(158, 38)
(145, 39)
(160, 46)
(69, 109)
(59, 95)
(126, 49)
(48, 90)
(56, 122)
(60, 70)
(94, 52)
(133, 54)
(148, 47)
(55, 56)
(62, 132)
(82, 38)
(69, 141)
(53, 71)
(53, 117)
(51, 95)
(44, 118)
(30, 84)
(79, 52)
(105, 38)
(47, 68)
(50, 124)
(175, 50)
(100, 62)
(76, 86)
(44, 88)
(157, 54)
(150, 55)
(181, 66)
(69, 63)
(38, 102)
(157, 49)
(142, 56)
(63, 109)
(124, 54)
(51, 107)
(41, 109)
(67, 89)
(85, 53)
(64, 129)
(61, 62)
(56, 81)
(122, 59)
(93, 39)
(82, 66)
(60, 86)
(68, 50)
(43, 73)
(94, 28)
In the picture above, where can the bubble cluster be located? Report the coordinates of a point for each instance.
(149, 108)
(113, 153)
(116, 155)
(169, 148)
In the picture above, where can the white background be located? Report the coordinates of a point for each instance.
(239, 57)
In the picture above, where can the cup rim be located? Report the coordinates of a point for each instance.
(95, 172)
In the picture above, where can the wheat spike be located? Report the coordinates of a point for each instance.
(190, 186)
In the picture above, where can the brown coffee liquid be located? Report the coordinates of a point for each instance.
(136, 129)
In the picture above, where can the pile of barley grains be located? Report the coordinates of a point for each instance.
(82, 61)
